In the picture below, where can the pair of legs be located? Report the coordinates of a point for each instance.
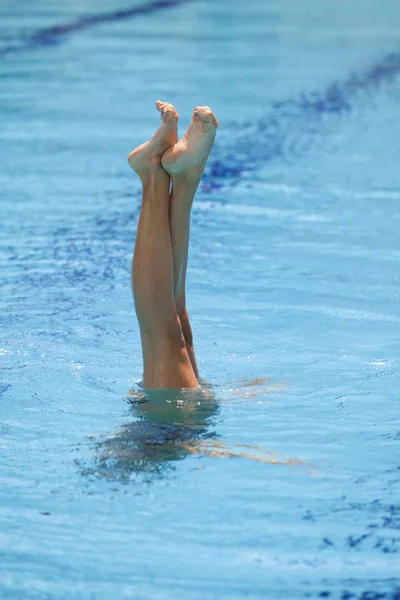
(170, 171)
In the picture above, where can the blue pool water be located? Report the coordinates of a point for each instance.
(284, 482)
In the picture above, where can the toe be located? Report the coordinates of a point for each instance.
(205, 114)
(168, 111)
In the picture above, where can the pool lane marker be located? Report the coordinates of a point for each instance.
(270, 137)
(227, 169)
(55, 35)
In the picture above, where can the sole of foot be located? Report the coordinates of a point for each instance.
(148, 155)
(190, 154)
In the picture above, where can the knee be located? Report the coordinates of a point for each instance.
(170, 332)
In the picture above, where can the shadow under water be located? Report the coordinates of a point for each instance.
(166, 426)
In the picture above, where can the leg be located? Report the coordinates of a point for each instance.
(165, 357)
(185, 163)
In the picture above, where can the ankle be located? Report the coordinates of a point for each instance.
(188, 176)
(150, 169)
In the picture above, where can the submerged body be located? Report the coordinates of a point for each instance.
(165, 426)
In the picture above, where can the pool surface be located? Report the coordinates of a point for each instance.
(282, 480)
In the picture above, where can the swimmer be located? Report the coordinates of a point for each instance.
(170, 172)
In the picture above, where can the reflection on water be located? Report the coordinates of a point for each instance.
(165, 426)
(162, 428)
(255, 389)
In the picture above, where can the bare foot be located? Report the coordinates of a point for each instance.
(143, 158)
(190, 154)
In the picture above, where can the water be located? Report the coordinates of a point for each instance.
(283, 481)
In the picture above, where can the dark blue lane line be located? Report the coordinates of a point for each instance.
(289, 127)
(336, 99)
(292, 126)
(51, 36)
